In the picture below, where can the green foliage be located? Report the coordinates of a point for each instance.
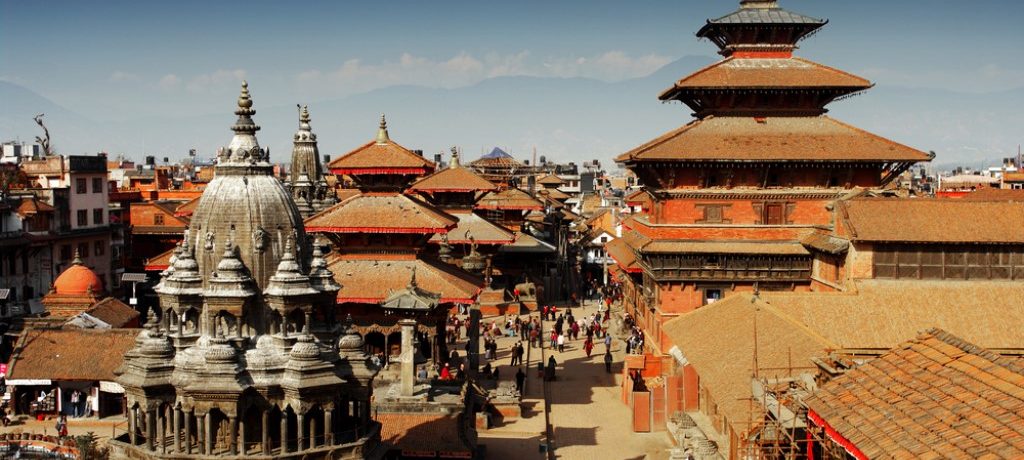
(89, 449)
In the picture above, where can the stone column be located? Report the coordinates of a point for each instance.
(163, 431)
(265, 418)
(241, 435)
(312, 432)
(328, 427)
(133, 425)
(232, 434)
(408, 365)
(302, 432)
(150, 428)
(208, 433)
(181, 321)
(284, 431)
(200, 434)
(177, 430)
(188, 432)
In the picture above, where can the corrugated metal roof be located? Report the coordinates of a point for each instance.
(765, 16)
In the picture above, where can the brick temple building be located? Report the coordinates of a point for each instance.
(737, 199)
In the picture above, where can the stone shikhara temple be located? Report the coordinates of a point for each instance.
(248, 358)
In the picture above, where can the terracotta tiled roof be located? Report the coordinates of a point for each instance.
(386, 158)
(423, 434)
(825, 243)
(33, 206)
(771, 139)
(511, 198)
(159, 262)
(550, 179)
(554, 194)
(640, 196)
(878, 314)
(115, 313)
(623, 254)
(767, 73)
(381, 213)
(482, 230)
(453, 179)
(371, 281)
(528, 244)
(995, 194)
(186, 209)
(725, 247)
(935, 396)
(346, 193)
(70, 354)
(719, 341)
(933, 220)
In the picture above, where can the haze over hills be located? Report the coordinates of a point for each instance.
(566, 119)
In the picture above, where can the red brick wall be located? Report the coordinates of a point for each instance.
(743, 212)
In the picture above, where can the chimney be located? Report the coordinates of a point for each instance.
(327, 159)
(418, 152)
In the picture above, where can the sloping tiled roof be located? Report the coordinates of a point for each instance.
(114, 312)
(33, 206)
(623, 254)
(381, 213)
(819, 138)
(719, 341)
(526, 243)
(426, 434)
(553, 193)
(825, 243)
(767, 73)
(726, 247)
(995, 194)
(933, 220)
(878, 314)
(935, 396)
(550, 179)
(482, 230)
(386, 158)
(453, 179)
(186, 209)
(765, 16)
(70, 354)
(510, 198)
(371, 281)
(159, 262)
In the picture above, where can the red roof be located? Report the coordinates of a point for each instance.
(453, 179)
(482, 230)
(371, 281)
(767, 73)
(935, 396)
(419, 434)
(33, 206)
(381, 158)
(381, 213)
(933, 220)
(511, 199)
(813, 139)
(70, 354)
(159, 262)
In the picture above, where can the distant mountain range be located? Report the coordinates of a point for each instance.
(566, 119)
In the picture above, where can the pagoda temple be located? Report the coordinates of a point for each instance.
(247, 359)
(379, 234)
(733, 199)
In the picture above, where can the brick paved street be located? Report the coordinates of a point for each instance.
(589, 420)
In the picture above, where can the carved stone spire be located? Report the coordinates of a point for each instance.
(306, 172)
(382, 132)
(243, 146)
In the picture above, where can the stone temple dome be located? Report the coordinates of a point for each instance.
(78, 279)
(246, 204)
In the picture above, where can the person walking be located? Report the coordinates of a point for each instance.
(608, 362)
(520, 379)
(561, 343)
(588, 346)
(608, 343)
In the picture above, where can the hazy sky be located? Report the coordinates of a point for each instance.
(110, 59)
(117, 60)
